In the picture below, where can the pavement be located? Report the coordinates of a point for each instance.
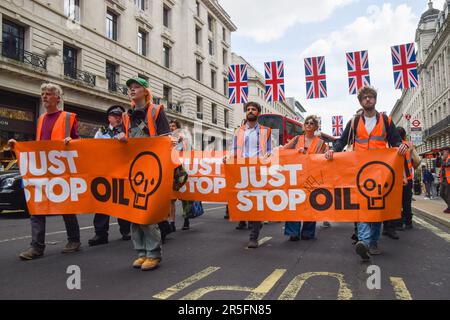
(210, 261)
(432, 209)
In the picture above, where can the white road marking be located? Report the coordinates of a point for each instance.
(50, 233)
(444, 235)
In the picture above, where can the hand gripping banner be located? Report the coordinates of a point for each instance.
(131, 180)
(354, 186)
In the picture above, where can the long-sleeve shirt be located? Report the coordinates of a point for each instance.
(392, 136)
(251, 147)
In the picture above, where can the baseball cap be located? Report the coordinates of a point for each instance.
(139, 81)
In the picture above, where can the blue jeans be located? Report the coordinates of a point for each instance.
(293, 229)
(369, 232)
(146, 240)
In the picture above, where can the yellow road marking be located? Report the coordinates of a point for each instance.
(401, 292)
(185, 283)
(296, 284)
(257, 293)
(435, 230)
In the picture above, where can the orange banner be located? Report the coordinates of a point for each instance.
(131, 180)
(206, 172)
(354, 186)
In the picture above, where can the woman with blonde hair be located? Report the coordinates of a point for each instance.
(307, 143)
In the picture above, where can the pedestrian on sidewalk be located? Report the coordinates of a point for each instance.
(251, 140)
(54, 124)
(307, 143)
(434, 184)
(445, 178)
(144, 119)
(368, 131)
(101, 221)
(427, 179)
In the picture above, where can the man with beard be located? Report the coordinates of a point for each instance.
(368, 131)
(251, 140)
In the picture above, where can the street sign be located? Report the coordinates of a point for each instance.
(408, 117)
(416, 137)
(416, 123)
(416, 129)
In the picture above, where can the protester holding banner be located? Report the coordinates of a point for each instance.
(406, 221)
(371, 130)
(251, 140)
(305, 144)
(101, 221)
(180, 144)
(144, 119)
(54, 124)
(445, 179)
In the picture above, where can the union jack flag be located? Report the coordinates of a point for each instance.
(274, 75)
(316, 82)
(237, 84)
(358, 70)
(405, 66)
(338, 125)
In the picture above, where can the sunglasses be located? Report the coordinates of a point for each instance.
(309, 123)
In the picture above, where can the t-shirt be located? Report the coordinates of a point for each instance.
(49, 123)
(138, 116)
(371, 123)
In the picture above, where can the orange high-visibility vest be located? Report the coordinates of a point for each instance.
(408, 157)
(315, 146)
(445, 166)
(263, 134)
(62, 127)
(376, 139)
(152, 115)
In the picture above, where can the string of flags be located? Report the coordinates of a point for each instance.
(404, 66)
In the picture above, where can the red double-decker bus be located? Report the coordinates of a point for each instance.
(288, 128)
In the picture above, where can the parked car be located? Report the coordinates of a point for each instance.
(12, 196)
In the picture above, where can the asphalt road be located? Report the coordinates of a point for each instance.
(211, 261)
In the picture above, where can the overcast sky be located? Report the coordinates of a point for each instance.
(291, 30)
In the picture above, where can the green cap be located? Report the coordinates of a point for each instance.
(139, 81)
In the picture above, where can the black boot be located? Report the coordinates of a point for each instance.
(97, 240)
(172, 226)
(391, 233)
(242, 225)
(186, 224)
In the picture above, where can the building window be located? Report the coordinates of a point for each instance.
(70, 58)
(225, 57)
(166, 16)
(226, 116)
(142, 42)
(111, 75)
(13, 40)
(198, 69)
(198, 36)
(111, 25)
(197, 7)
(166, 56)
(167, 93)
(140, 4)
(210, 47)
(214, 113)
(72, 9)
(213, 79)
(225, 87)
(224, 34)
(199, 108)
(210, 23)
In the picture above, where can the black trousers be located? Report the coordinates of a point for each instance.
(101, 225)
